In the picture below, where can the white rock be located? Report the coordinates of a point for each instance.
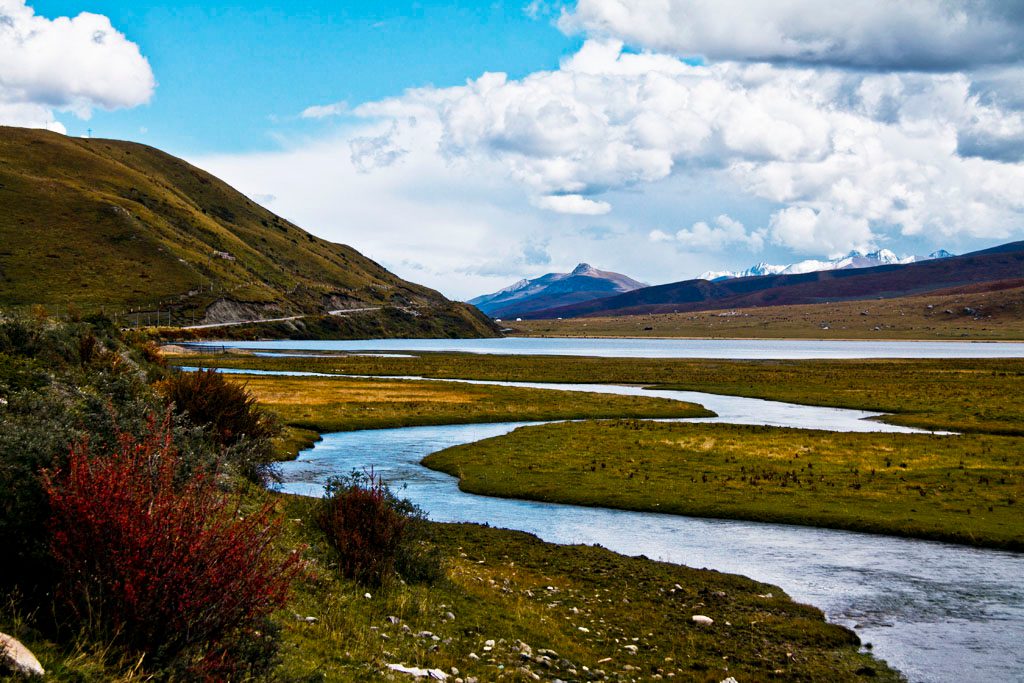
(702, 620)
(730, 679)
(416, 672)
(19, 658)
(632, 649)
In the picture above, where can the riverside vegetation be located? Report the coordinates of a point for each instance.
(87, 425)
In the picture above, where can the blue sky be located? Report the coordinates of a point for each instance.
(235, 76)
(468, 145)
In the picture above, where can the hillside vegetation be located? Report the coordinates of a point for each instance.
(125, 227)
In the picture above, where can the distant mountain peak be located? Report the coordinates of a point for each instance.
(853, 259)
(583, 283)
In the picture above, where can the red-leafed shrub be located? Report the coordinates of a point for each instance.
(375, 533)
(164, 562)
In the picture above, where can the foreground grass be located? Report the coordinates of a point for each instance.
(964, 395)
(991, 315)
(962, 489)
(311, 405)
(569, 612)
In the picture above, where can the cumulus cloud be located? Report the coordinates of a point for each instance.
(725, 232)
(66, 64)
(572, 203)
(804, 229)
(910, 35)
(865, 154)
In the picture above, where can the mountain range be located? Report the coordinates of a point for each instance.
(123, 227)
(584, 283)
(1002, 263)
(855, 259)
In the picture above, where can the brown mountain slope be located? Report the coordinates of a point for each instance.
(123, 226)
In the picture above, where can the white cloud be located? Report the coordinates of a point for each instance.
(65, 65)
(926, 35)
(572, 203)
(323, 111)
(703, 237)
(372, 152)
(870, 155)
(804, 229)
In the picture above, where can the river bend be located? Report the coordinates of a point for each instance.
(936, 611)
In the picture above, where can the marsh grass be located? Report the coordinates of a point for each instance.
(311, 405)
(964, 395)
(965, 489)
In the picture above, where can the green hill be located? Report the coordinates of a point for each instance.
(119, 226)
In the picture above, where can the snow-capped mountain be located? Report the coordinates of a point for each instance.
(555, 289)
(855, 259)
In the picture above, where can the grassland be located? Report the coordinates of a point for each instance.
(967, 314)
(964, 395)
(579, 610)
(962, 489)
(308, 406)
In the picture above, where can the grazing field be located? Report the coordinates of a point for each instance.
(965, 314)
(963, 489)
(964, 395)
(583, 613)
(312, 405)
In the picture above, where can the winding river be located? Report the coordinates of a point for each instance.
(935, 611)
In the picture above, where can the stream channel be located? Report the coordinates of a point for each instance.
(935, 611)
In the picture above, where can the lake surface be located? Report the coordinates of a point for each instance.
(736, 349)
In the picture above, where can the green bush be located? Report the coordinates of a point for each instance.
(230, 414)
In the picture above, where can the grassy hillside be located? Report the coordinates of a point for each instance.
(121, 226)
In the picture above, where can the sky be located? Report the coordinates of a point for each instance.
(468, 145)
